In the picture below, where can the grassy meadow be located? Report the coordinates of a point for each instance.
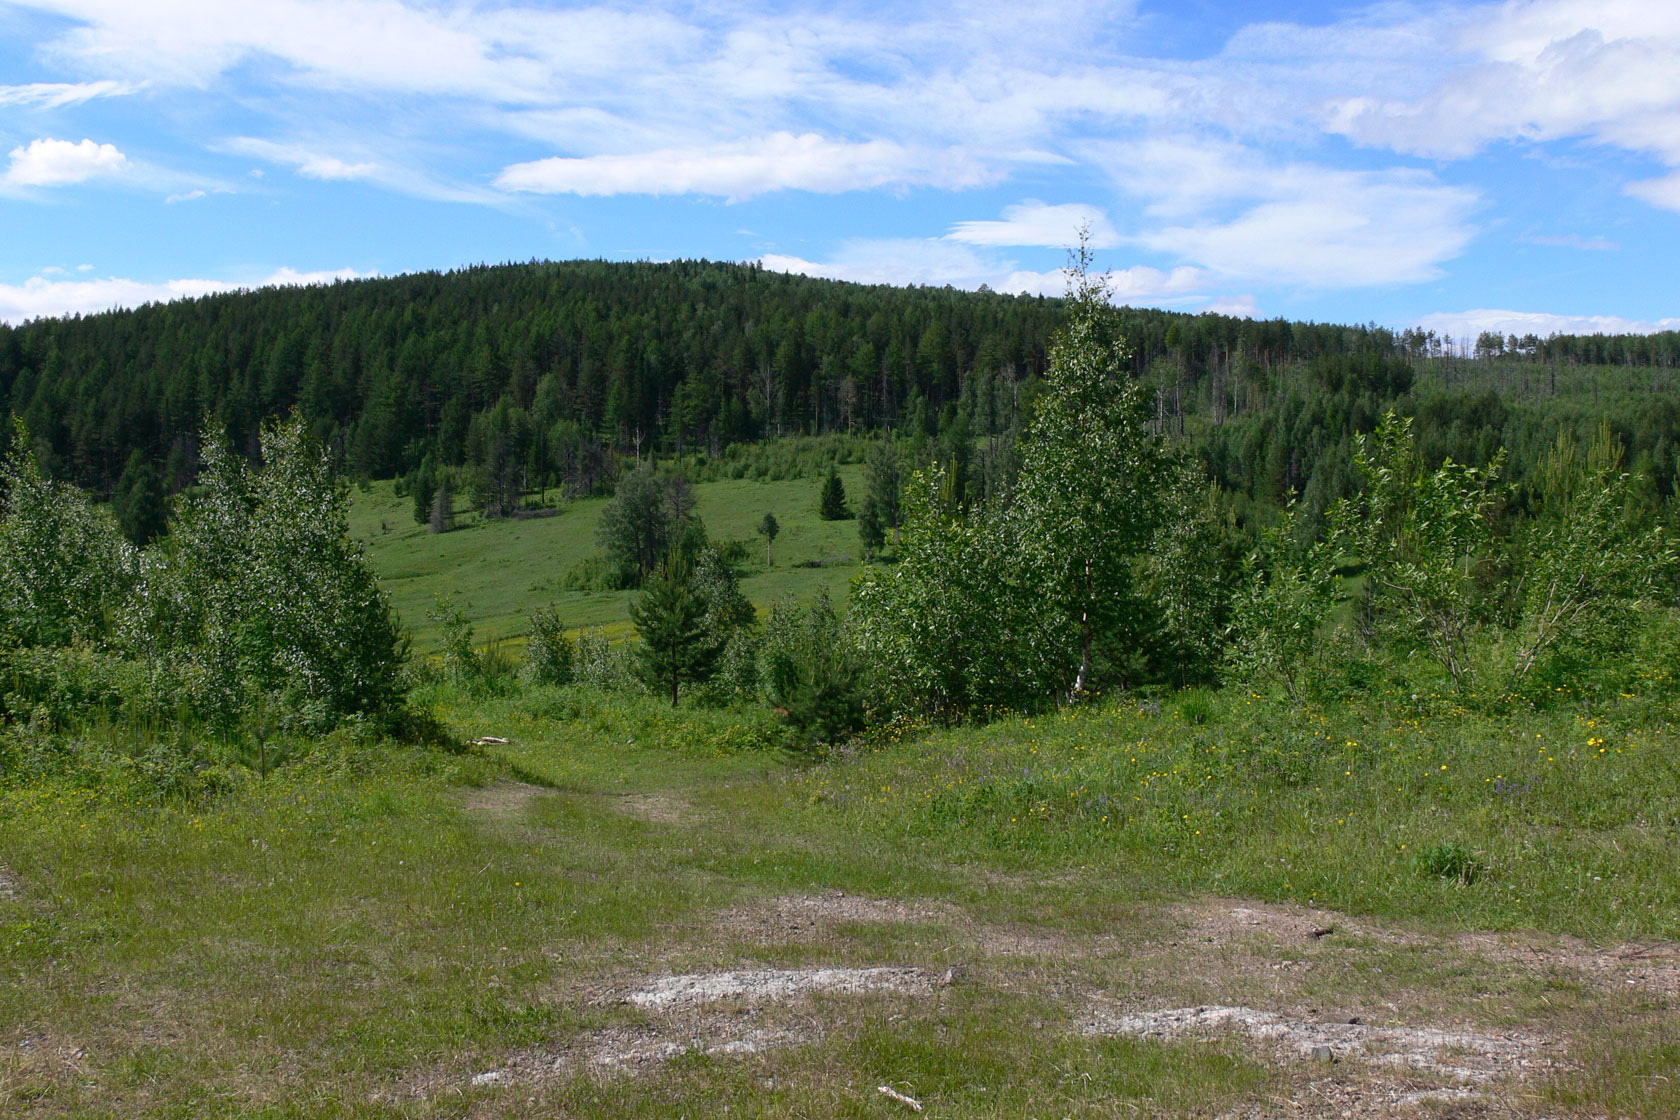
(501, 571)
(1434, 905)
(384, 931)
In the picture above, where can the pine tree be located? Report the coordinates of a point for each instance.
(443, 510)
(832, 506)
(677, 645)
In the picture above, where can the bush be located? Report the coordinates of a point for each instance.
(65, 569)
(550, 657)
(810, 672)
(603, 665)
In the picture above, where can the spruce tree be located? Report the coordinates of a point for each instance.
(141, 509)
(832, 506)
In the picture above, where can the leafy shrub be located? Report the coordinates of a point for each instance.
(550, 656)
(809, 670)
(602, 664)
(65, 568)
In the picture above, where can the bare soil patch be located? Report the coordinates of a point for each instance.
(804, 918)
(503, 801)
(658, 808)
(9, 886)
(1653, 967)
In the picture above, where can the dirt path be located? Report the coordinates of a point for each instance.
(1356, 1017)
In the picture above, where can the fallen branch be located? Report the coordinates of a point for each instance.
(893, 1094)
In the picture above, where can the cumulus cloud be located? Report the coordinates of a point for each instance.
(1035, 223)
(40, 297)
(1230, 210)
(57, 163)
(1605, 70)
(781, 161)
(1468, 324)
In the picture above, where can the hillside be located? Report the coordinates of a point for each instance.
(501, 571)
(544, 375)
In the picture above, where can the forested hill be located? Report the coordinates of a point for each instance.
(572, 362)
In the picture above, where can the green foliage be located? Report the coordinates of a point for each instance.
(1189, 576)
(498, 447)
(951, 618)
(1280, 608)
(262, 593)
(603, 665)
(1449, 860)
(550, 657)
(141, 509)
(872, 534)
(461, 661)
(677, 646)
(811, 673)
(1095, 479)
(884, 483)
(65, 569)
(1426, 538)
(647, 518)
(769, 528)
(831, 505)
(1591, 562)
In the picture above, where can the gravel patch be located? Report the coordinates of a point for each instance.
(1462, 1054)
(671, 993)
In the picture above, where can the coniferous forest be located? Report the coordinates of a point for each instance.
(547, 374)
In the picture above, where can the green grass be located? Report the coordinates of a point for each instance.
(501, 571)
(372, 925)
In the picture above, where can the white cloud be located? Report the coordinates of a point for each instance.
(304, 160)
(184, 196)
(781, 161)
(1606, 70)
(1468, 324)
(1035, 223)
(40, 297)
(57, 163)
(59, 95)
(938, 261)
(1238, 307)
(1232, 211)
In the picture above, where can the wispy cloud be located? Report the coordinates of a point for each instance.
(781, 161)
(60, 95)
(1574, 241)
(1035, 223)
(57, 163)
(41, 297)
(305, 161)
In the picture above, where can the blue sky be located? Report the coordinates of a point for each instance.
(1511, 166)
